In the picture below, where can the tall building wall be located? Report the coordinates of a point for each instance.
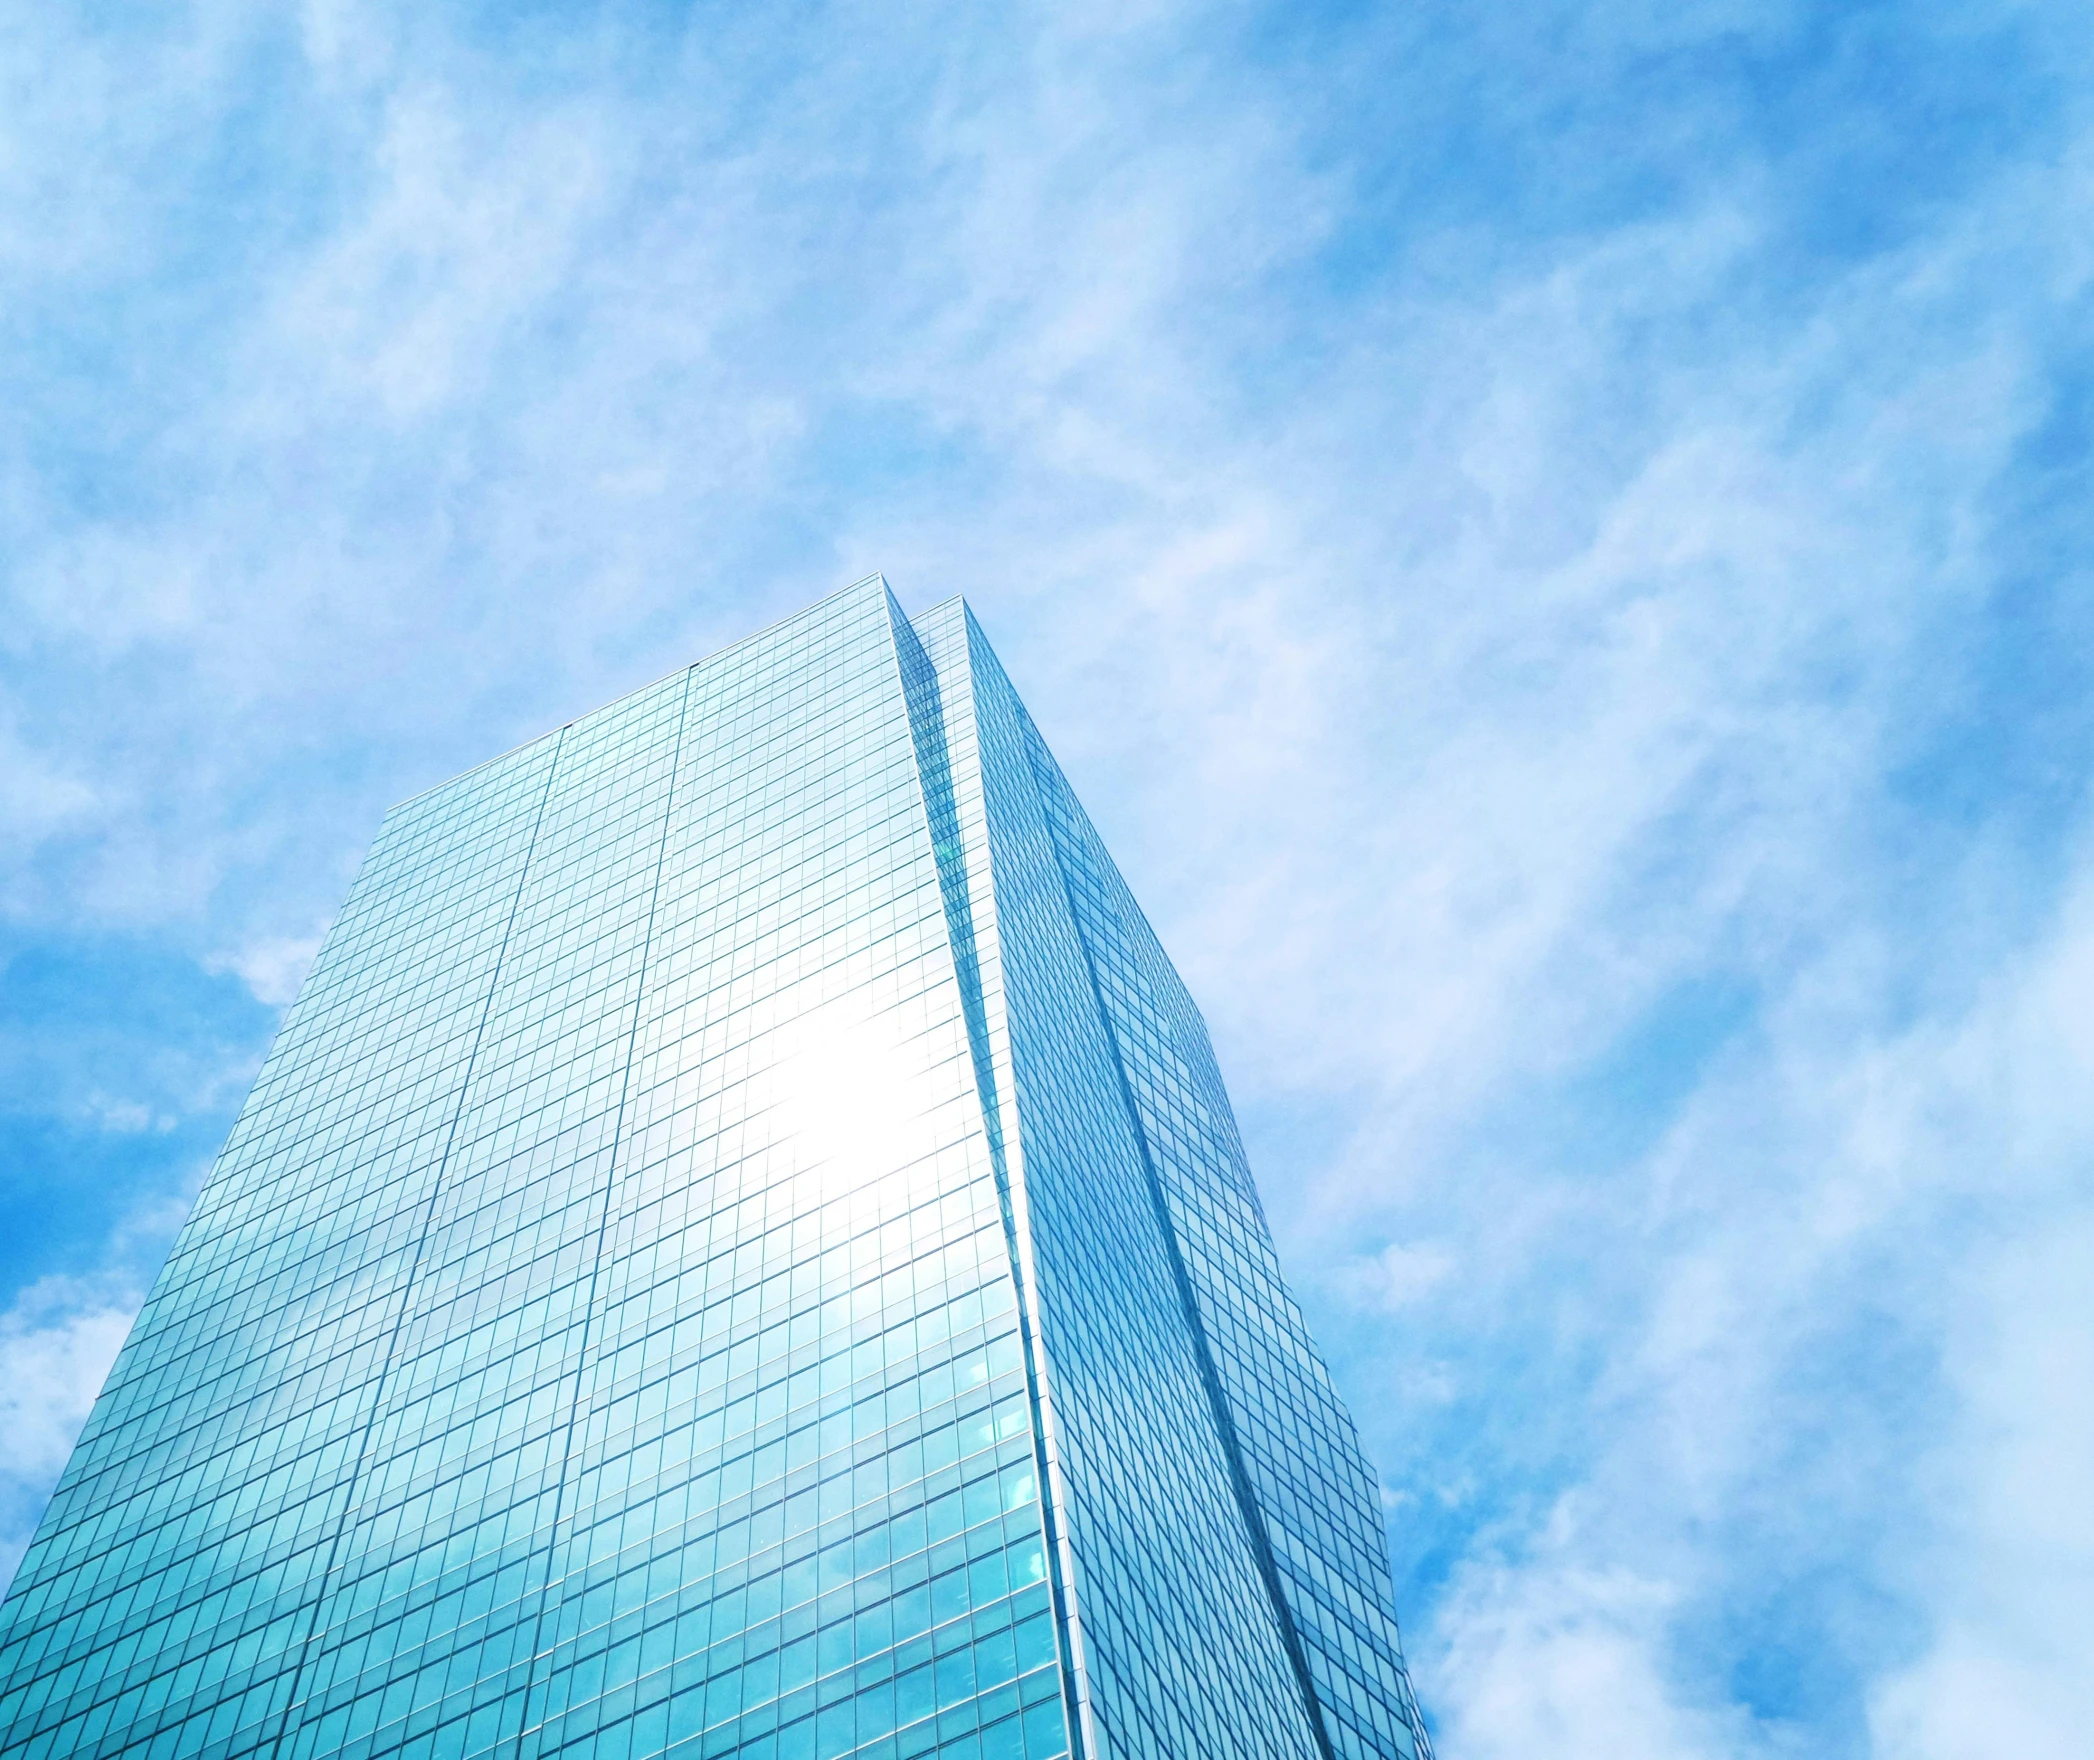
(739, 1247)
(1310, 1500)
(1164, 1579)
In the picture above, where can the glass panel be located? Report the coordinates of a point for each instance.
(738, 1248)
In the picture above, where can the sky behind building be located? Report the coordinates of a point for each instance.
(1551, 540)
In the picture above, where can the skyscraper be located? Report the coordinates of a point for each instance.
(739, 1247)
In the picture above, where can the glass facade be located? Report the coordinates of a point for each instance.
(739, 1248)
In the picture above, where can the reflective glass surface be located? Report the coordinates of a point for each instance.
(739, 1247)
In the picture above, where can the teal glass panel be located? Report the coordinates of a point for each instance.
(739, 1248)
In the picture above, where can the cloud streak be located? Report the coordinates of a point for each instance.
(57, 1342)
(1551, 541)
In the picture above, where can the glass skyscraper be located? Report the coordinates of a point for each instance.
(739, 1248)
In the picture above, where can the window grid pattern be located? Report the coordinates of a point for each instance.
(1313, 1498)
(171, 1589)
(1165, 1578)
(962, 876)
(598, 1336)
(1308, 1497)
(738, 1248)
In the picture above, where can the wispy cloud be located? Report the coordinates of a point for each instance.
(57, 1340)
(273, 967)
(1552, 539)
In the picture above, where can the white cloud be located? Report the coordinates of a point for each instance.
(124, 1117)
(1847, 1370)
(1470, 628)
(37, 796)
(57, 1342)
(2004, 1562)
(1397, 1276)
(272, 967)
(1573, 1662)
(2005, 1569)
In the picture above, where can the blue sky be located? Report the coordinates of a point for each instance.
(1553, 540)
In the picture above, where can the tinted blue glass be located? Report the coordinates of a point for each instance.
(738, 1248)
(1166, 1320)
